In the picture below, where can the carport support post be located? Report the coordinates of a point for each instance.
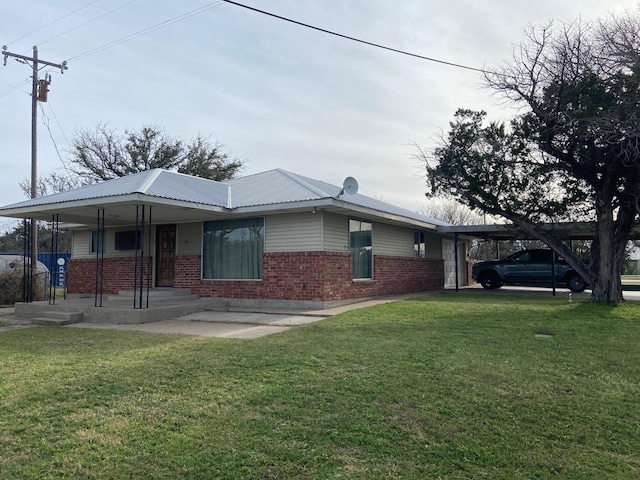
(553, 272)
(455, 259)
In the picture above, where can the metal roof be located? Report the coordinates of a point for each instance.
(185, 197)
(157, 183)
(280, 186)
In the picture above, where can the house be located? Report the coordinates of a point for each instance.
(274, 237)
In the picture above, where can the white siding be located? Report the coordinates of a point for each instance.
(293, 232)
(392, 240)
(448, 250)
(189, 237)
(82, 244)
(336, 232)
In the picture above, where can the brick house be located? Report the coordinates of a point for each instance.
(274, 236)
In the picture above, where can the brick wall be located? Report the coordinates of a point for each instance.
(316, 276)
(118, 275)
(302, 276)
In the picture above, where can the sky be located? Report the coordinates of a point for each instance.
(274, 94)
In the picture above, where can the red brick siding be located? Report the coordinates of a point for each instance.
(303, 276)
(118, 275)
(316, 276)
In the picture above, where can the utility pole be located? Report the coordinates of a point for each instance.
(35, 96)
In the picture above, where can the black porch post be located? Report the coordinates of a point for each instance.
(99, 247)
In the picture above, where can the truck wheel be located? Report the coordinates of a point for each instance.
(576, 283)
(490, 280)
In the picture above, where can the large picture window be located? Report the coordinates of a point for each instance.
(232, 249)
(361, 247)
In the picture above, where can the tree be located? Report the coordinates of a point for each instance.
(102, 154)
(456, 213)
(207, 161)
(573, 152)
(452, 212)
(54, 183)
(12, 240)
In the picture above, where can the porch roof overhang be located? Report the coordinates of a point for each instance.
(118, 210)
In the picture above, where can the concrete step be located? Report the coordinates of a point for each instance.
(156, 295)
(156, 292)
(58, 318)
(41, 313)
(125, 301)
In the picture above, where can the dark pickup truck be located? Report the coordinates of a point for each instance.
(530, 267)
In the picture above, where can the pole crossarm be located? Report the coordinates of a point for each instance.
(62, 66)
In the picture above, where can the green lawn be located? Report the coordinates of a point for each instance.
(446, 386)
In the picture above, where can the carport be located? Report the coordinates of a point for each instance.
(566, 231)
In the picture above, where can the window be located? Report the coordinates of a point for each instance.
(360, 245)
(97, 242)
(523, 257)
(129, 240)
(232, 249)
(420, 244)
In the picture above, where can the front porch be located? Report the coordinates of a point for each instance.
(123, 308)
(170, 303)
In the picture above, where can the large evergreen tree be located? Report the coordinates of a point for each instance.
(572, 153)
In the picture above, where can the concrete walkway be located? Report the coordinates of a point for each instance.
(216, 324)
(234, 323)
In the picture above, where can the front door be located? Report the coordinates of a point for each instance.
(165, 255)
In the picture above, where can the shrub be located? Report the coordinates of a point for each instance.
(11, 282)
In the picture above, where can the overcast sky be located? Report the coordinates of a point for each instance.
(275, 94)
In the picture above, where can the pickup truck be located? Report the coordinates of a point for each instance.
(531, 267)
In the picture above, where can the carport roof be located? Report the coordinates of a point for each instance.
(563, 230)
(183, 198)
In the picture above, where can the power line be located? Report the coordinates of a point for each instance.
(54, 21)
(347, 37)
(16, 87)
(45, 121)
(150, 29)
(89, 21)
(115, 42)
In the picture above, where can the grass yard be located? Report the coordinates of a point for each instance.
(446, 386)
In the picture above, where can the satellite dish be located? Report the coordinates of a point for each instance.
(349, 186)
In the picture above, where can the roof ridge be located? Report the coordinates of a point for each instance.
(153, 176)
(296, 178)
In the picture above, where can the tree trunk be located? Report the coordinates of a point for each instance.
(607, 255)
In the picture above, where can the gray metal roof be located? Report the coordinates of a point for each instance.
(280, 187)
(156, 183)
(267, 191)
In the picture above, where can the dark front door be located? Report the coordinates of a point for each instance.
(165, 255)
